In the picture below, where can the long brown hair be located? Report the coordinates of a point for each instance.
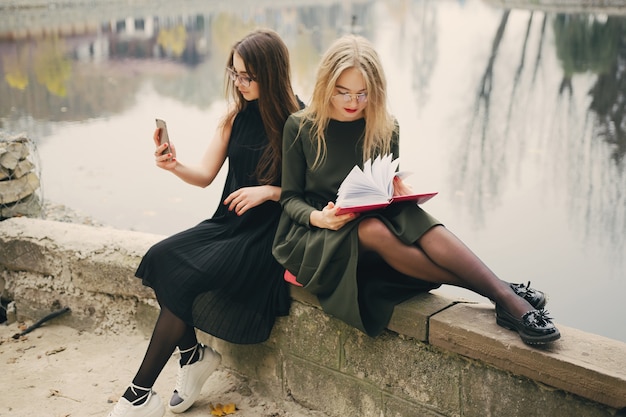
(266, 59)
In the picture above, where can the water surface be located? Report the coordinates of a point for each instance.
(516, 118)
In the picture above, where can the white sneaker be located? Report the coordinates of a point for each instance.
(191, 378)
(153, 407)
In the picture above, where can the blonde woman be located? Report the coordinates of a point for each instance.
(361, 265)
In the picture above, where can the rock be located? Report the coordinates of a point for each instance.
(13, 151)
(13, 191)
(29, 207)
(18, 180)
(23, 167)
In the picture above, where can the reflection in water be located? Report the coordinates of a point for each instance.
(595, 173)
(179, 53)
(52, 70)
(482, 160)
(502, 102)
(598, 45)
(606, 43)
(46, 62)
(424, 41)
(542, 37)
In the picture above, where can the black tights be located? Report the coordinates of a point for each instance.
(440, 257)
(169, 332)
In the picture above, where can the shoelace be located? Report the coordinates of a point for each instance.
(194, 348)
(181, 377)
(120, 408)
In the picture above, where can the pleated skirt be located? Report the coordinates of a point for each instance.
(220, 277)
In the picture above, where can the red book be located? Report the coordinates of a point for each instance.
(417, 198)
(372, 187)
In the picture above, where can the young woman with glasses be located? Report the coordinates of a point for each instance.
(361, 265)
(220, 275)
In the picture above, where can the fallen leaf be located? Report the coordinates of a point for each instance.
(222, 410)
(216, 410)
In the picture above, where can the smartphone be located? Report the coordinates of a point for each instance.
(163, 135)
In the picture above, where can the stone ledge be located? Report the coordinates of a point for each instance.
(410, 318)
(587, 365)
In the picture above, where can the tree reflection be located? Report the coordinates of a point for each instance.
(14, 69)
(173, 40)
(482, 159)
(590, 44)
(52, 69)
(520, 67)
(422, 34)
(591, 142)
(542, 36)
(597, 44)
(46, 60)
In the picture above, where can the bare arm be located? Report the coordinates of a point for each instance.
(202, 174)
(246, 198)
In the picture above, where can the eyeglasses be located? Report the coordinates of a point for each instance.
(243, 79)
(347, 97)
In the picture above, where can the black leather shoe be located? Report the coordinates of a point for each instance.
(535, 327)
(535, 298)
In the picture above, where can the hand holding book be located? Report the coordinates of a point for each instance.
(372, 188)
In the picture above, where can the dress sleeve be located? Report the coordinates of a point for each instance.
(294, 174)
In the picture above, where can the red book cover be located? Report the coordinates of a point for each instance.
(418, 198)
(371, 188)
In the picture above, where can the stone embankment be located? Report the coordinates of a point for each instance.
(439, 357)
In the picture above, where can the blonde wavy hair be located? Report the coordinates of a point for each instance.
(351, 51)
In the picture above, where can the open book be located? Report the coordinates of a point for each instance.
(372, 188)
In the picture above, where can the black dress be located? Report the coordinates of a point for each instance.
(220, 276)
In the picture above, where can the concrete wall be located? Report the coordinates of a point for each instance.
(439, 357)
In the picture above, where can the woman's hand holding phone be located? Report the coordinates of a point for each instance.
(165, 153)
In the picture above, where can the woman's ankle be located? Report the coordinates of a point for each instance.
(136, 395)
(189, 355)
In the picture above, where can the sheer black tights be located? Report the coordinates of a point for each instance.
(439, 256)
(169, 332)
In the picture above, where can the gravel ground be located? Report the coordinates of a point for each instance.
(58, 371)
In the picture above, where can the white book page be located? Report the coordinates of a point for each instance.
(378, 173)
(359, 189)
(390, 174)
(372, 185)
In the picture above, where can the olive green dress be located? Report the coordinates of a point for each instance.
(360, 290)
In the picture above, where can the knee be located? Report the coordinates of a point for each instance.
(435, 234)
(372, 231)
(159, 249)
